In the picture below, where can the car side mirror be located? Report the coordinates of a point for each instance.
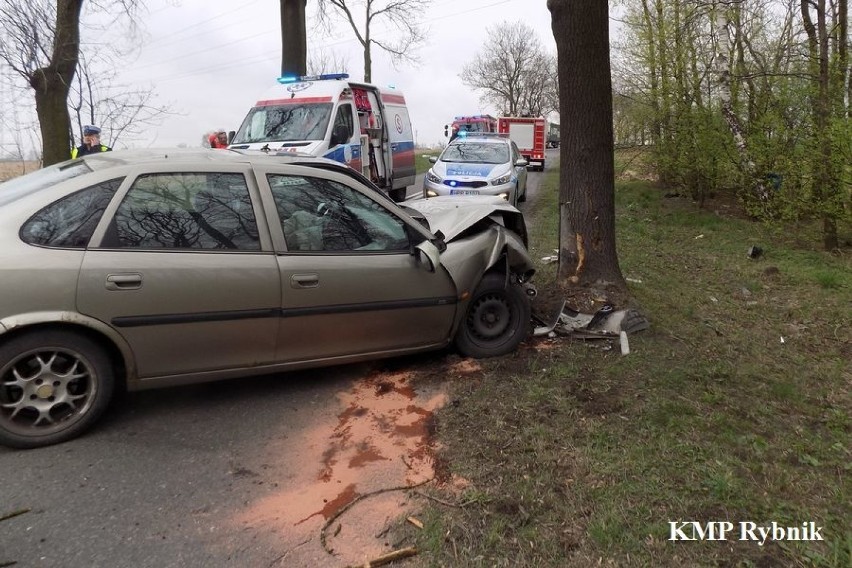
(433, 159)
(339, 135)
(521, 163)
(428, 255)
(231, 135)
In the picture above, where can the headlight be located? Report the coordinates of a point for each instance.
(501, 180)
(430, 177)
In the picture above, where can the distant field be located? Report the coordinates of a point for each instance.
(9, 169)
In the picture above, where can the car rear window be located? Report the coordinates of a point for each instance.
(70, 221)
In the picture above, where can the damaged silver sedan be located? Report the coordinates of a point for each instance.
(153, 268)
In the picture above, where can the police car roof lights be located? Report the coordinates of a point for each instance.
(297, 79)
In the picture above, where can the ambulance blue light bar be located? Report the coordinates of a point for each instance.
(297, 79)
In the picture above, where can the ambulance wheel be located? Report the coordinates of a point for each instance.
(398, 195)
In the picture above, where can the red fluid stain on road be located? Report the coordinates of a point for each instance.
(379, 440)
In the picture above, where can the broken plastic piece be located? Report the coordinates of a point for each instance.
(625, 346)
(600, 316)
(548, 326)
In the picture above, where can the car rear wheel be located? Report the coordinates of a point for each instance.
(53, 386)
(497, 319)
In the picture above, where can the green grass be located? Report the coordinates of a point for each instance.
(421, 159)
(577, 456)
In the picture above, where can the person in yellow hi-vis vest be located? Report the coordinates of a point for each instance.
(91, 143)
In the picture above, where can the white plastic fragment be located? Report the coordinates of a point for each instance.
(625, 346)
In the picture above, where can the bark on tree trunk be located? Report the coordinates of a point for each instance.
(587, 252)
(294, 51)
(53, 82)
(824, 179)
(723, 73)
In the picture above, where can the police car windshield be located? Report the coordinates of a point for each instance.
(476, 152)
(285, 123)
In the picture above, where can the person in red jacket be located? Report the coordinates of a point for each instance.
(218, 139)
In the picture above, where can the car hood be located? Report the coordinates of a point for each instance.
(453, 215)
(479, 232)
(459, 169)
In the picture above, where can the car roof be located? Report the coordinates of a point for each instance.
(106, 160)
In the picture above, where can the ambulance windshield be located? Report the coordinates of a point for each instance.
(285, 123)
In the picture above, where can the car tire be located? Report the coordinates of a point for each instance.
(398, 195)
(497, 318)
(53, 386)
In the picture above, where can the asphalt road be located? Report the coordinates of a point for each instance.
(167, 477)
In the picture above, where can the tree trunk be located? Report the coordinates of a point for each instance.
(53, 82)
(587, 252)
(368, 58)
(294, 52)
(723, 73)
(823, 164)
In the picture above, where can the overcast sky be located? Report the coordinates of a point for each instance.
(211, 60)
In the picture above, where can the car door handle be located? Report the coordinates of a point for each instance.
(304, 281)
(124, 281)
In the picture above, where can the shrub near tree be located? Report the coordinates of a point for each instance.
(745, 97)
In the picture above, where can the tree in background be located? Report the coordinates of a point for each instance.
(587, 253)
(826, 25)
(123, 111)
(294, 52)
(749, 98)
(40, 41)
(321, 62)
(364, 15)
(513, 72)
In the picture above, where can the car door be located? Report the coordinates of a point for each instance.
(182, 269)
(349, 283)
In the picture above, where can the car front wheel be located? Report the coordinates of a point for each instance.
(497, 318)
(53, 385)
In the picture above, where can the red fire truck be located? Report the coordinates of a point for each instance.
(474, 124)
(528, 133)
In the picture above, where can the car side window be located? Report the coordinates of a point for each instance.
(70, 221)
(516, 154)
(207, 211)
(319, 215)
(344, 118)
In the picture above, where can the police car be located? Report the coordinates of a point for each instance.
(481, 164)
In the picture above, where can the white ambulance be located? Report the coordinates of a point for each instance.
(362, 125)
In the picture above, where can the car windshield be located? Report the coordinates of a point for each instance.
(476, 153)
(285, 123)
(22, 186)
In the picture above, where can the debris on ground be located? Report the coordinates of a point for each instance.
(755, 252)
(388, 558)
(13, 514)
(551, 258)
(415, 521)
(607, 322)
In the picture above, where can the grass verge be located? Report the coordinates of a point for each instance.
(734, 406)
